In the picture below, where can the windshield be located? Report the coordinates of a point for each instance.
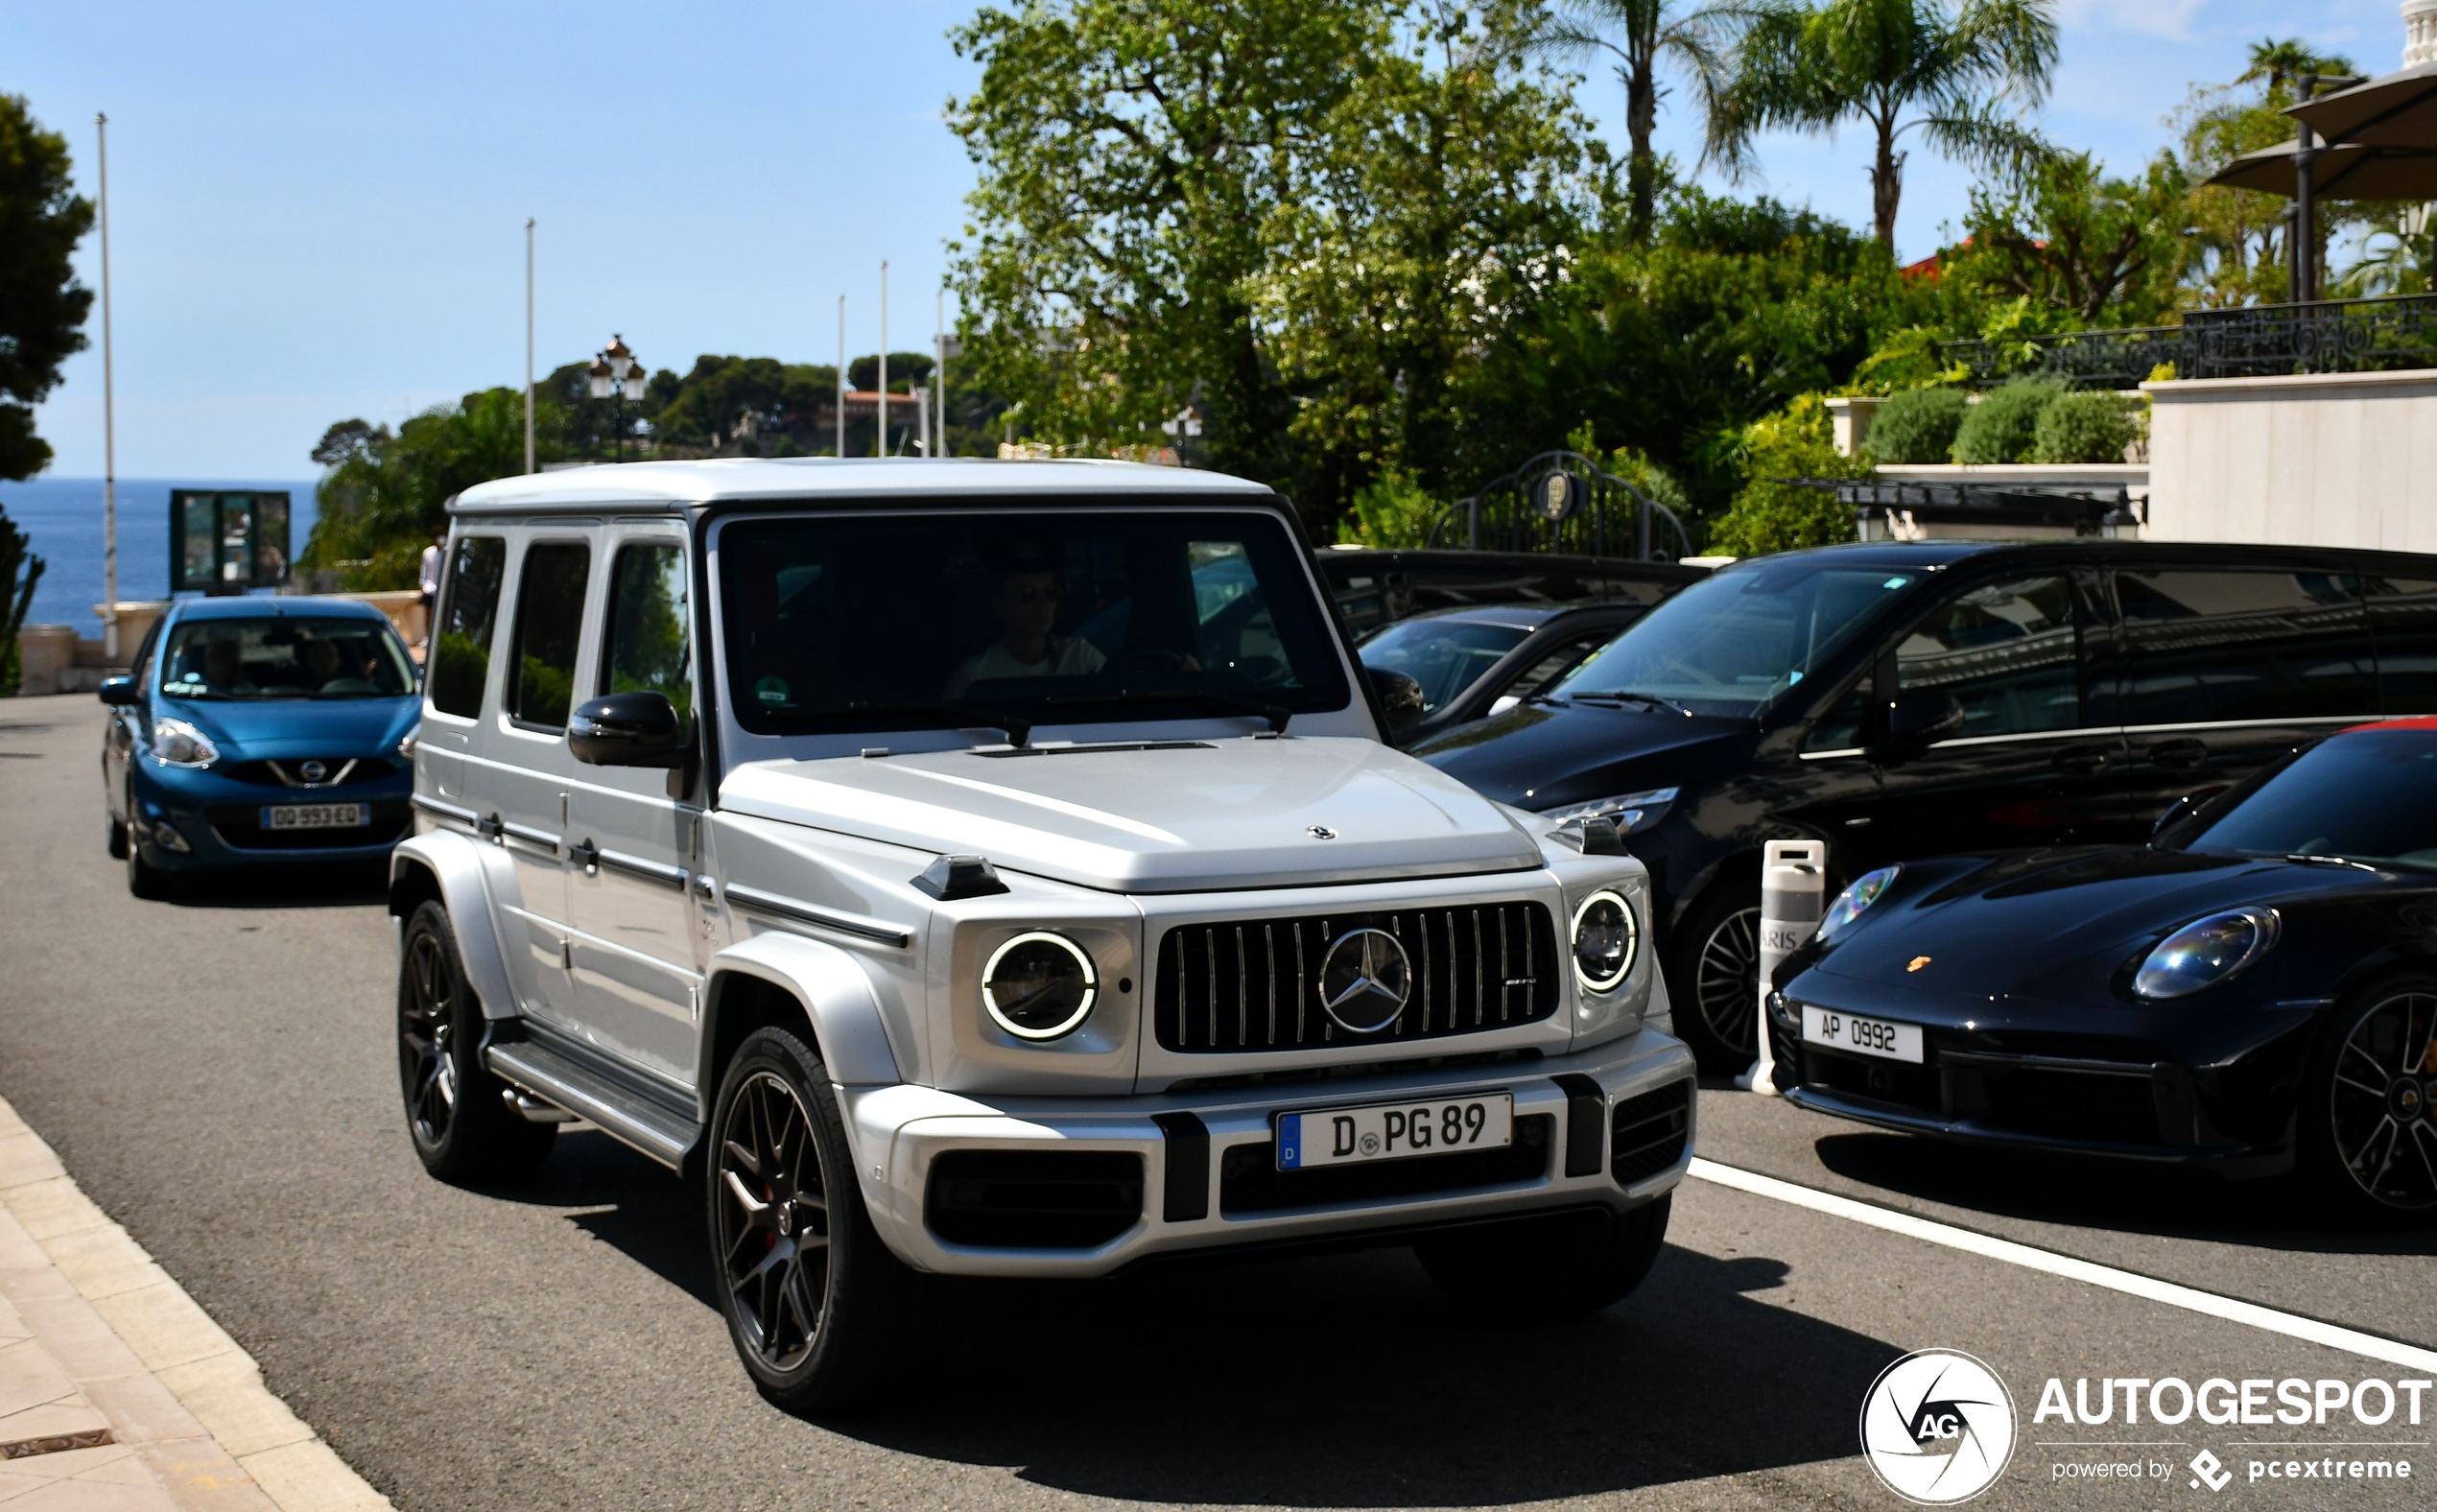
(941, 621)
(1445, 656)
(289, 656)
(2370, 795)
(1732, 643)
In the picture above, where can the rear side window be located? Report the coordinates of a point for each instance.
(550, 608)
(2006, 651)
(2218, 647)
(2403, 616)
(648, 649)
(469, 607)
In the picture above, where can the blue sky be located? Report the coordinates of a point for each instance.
(319, 210)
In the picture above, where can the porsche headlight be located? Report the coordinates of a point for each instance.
(179, 744)
(1854, 902)
(1605, 938)
(1629, 812)
(1039, 986)
(2206, 952)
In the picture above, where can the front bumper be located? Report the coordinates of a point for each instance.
(192, 801)
(1617, 1132)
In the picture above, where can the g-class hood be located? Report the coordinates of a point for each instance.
(1181, 817)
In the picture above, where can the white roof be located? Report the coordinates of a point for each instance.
(674, 483)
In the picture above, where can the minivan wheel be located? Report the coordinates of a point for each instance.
(456, 1111)
(1712, 979)
(1550, 1266)
(2369, 1136)
(811, 1294)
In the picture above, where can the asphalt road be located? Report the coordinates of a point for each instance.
(218, 1073)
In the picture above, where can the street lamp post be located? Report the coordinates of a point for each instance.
(616, 374)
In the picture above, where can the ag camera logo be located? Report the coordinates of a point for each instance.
(1937, 1426)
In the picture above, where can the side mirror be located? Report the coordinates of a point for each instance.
(1917, 721)
(2181, 809)
(1400, 697)
(627, 729)
(119, 693)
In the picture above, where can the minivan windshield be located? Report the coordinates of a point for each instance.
(946, 620)
(286, 656)
(1730, 644)
(2367, 796)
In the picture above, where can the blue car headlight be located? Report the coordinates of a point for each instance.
(1854, 902)
(179, 744)
(2206, 952)
(1629, 812)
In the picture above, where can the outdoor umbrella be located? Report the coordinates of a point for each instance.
(2397, 109)
(2347, 171)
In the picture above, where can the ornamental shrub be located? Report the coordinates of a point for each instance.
(2004, 425)
(2089, 426)
(1917, 426)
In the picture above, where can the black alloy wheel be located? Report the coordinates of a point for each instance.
(1713, 981)
(2379, 1089)
(457, 1112)
(811, 1294)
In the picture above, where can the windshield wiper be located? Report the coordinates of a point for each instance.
(1277, 715)
(1646, 701)
(1019, 732)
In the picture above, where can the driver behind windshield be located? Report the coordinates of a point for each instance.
(1028, 585)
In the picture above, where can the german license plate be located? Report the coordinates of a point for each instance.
(1861, 1036)
(315, 815)
(1395, 1130)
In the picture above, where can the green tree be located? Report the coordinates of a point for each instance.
(2236, 252)
(2100, 250)
(1896, 66)
(382, 496)
(20, 569)
(1644, 36)
(42, 307)
(1771, 511)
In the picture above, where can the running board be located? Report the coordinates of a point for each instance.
(621, 1111)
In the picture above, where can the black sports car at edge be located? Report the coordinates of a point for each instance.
(2254, 988)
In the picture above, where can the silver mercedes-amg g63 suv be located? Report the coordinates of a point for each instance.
(995, 869)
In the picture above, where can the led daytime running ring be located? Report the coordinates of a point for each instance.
(1082, 1011)
(1632, 941)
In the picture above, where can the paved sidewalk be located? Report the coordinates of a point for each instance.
(117, 1394)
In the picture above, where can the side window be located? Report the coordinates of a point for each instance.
(550, 606)
(2006, 652)
(143, 663)
(2211, 647)
(2402, 618)
(647, 646)
(460, 654)
(1845, 725)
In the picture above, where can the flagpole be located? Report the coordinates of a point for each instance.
(841, 376)
(109, 415)
(882, 443)
(529, 344)
(940, 367)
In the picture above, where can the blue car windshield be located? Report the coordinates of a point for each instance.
(1732, 643)
(288, 656)
(2369, 795)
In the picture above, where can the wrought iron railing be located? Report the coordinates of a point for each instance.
(1563, 502)
(2319, 336)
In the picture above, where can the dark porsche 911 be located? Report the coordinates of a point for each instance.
(2255, 987)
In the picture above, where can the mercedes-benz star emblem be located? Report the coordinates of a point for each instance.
(1320, 832)
(1364, 980)
(314, 771)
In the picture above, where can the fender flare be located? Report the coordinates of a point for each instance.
(455, 863)
(836, 993)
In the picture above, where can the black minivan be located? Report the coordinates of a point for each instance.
(1899, 701)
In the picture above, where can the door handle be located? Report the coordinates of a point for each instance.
(2081, 758)
(2179, 755)
(585, 854)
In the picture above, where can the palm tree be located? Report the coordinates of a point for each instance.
(2278, 65)
(1641, 35)
(1951, 70)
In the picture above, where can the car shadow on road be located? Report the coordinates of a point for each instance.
(352, 885)
(2113, 1195)
(1341, 1379)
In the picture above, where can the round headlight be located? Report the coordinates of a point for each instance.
(2206, 952)
(1605, 937)
(1854, 902)
(179, 744)
(1039, 986)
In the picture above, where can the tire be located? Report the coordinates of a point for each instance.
(2368, 1142)
(1551, 1266)
(811, 1296)
(143, 880)
(118, 837)
(1712, 979)
(456, 1113)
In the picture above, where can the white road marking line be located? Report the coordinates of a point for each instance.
(2189, 1298)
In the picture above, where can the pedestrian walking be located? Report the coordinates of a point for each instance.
(430, 582)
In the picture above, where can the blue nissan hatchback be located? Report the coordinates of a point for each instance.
(260, 732)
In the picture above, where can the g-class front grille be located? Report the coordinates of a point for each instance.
(1254, 985)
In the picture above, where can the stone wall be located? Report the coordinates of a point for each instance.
(2322, 460)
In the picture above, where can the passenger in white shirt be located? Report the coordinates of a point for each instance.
(1026, 602)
